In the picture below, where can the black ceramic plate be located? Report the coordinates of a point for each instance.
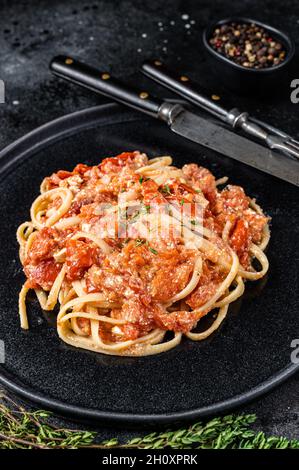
(246, 357)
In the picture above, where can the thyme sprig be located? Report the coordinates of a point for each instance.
(229, 432)
(23, 429)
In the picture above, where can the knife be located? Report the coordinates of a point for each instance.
(180, 120)
(268, 135)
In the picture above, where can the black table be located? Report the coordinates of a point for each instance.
(117, 36)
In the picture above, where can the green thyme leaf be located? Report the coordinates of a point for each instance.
(165, 189)
(145, 209)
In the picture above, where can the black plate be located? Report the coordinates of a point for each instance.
(247, 356)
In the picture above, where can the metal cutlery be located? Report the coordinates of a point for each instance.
(181, 84)
(179, 120)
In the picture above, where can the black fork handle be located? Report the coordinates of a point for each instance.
(101, 82)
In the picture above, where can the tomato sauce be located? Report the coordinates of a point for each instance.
(140, 275)
(79, 257)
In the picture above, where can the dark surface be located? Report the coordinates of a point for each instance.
(118, 45)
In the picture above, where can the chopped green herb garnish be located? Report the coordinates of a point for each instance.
(182, 202)
(139, 242)
(134, 217)
(141, 179)
(165, 189)
(198, 190)
(153, 250)
(193, 222)
(145, 209)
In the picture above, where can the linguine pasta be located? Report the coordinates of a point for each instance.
(134, 248)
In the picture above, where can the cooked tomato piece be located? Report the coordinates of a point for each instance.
(55, 179)
(42, 274)
(182, 321)
(256, 224)
(81, 168)
(170, 281)
(114, 164)
(74, 209)
(43, 245)
(206, 287)
(239, 241)
(79, 257)
(212, 223)
(133, 311)
(63, 174)
(232, 200)
(202, 179)
(179, 191)
(239, 237)
(151, 194)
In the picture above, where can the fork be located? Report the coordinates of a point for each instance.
(286, 138)
(274, 138)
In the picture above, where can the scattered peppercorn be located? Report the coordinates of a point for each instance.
(247, 44)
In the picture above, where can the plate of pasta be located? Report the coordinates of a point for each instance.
(146, 278)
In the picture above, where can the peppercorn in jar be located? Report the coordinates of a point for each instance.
(248, 45)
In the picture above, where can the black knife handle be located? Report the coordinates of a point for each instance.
(182, 85)
(101, 82)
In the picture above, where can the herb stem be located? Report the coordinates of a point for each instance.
(24, 442)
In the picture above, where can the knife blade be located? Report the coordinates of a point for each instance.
(230, 144)
(180, 121)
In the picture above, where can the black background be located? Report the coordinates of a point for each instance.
(117, 36)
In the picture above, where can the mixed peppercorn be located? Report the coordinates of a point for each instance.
(247, 44)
